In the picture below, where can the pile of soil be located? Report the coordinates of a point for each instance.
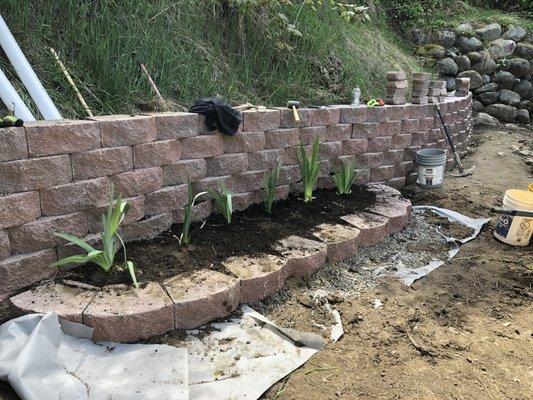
(252, 232)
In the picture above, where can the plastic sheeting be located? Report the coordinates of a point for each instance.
(46, 358)
(409, 276)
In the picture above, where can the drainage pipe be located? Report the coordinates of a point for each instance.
(12, 100)
(26, 74)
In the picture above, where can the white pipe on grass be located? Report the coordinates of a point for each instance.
(12, 100)
(26, 74)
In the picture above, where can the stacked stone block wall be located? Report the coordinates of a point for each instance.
(55, 176)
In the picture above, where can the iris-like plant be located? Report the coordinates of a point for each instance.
(270, 186)
(185, 236)
(344, 177)
(223, 200)
(309, 168)
(105, 259)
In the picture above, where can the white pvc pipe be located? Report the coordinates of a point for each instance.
(26, 74)
(12, 100)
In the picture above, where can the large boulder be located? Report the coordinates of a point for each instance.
(489, 87)
(515, 33)
(475, 57)
(463, 63)
(505, 79)
(524, 50)
(487, 98)
(528, 105)
(485, 79)
(469, 43)
(509, 97)
(501, 48)
(447, 67)
(519, 67)
(450, 84)
(485, 119)
(489, 32)
(432, 50)
(452, 52)
(465, 29)
(475, 78)
(503, 112)
(477, 106)
(444, 37)
(418, 36)
(524, 88)
(486, 66)
(523, 116)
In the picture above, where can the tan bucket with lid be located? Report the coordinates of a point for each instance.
(515, 230)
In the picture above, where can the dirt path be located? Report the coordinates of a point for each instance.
(462, 332)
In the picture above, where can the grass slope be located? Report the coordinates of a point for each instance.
(193, 51)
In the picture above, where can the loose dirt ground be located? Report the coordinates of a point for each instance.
(462, 332)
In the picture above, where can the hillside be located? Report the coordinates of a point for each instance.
(198, 48)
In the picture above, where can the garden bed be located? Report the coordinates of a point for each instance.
(252, 233)
(224, 266)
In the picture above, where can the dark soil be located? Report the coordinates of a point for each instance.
(251, 232)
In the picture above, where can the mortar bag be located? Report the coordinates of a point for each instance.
(218, 115)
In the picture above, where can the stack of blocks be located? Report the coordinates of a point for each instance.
(396, 88)
(437, 91)
(419, 92)
(462, 86)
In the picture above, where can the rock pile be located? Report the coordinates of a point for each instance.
(498, 63)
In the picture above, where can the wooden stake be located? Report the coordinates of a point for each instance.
(71, 82)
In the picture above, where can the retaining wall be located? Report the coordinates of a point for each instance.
(55, 176)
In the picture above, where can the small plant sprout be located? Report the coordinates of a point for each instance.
(309, 168)
(269, 186)
(185, 236)
(223, 201)
(105, 258)
(344, 177)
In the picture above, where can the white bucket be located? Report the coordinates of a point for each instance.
(515, 230)
(430, 164)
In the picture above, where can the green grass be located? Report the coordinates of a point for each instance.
(192, 50)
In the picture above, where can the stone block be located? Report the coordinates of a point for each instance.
(5, 247)
(248, 181)
(282, 138)
(379, 144)
(342, 240)
(76, 196)
(139, 181)
(153, 154)
(13, 145)
(382, 174)
(202, 146)
(226, 164)
(135, 213)
(101, 162)
(373, 228)
(353, 114)
(309, 134)
(370, 160)
(325, 116)
(147, 228)
(264, 159)
(401, 141)
(36, 173)
(19, 208)
(39, 234)
(49, 138)
(121, 313)
(245, 142)
(165, 200)
(126, 130)
(260, 120)
(354, 146)
(304, 256)
(20, 271)
(183, 171)
(176, 125)
(200, 212)
(201, 297)
(338, 132)
(410, 125)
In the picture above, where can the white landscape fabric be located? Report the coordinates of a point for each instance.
(46, 358)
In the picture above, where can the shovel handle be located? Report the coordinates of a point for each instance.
(295, 113)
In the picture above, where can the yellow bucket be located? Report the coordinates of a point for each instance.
(516, 230)
(530, 187)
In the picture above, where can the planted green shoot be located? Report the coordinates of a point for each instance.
(223, 201)
(309, 168)
(105, 258)
(185, 236)
(269, 186)
(344, 177)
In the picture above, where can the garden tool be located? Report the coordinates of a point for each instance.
(456, 157)
(294, 105)
(10, 120)
(375, 102)
(514, 213)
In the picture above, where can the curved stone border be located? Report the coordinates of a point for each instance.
(123, 314)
